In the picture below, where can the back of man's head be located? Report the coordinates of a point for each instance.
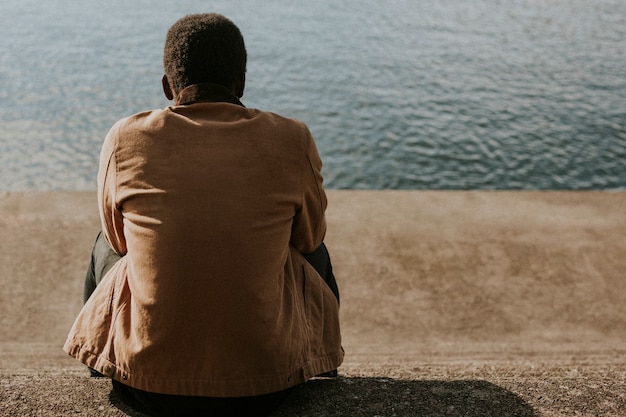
(204, 48)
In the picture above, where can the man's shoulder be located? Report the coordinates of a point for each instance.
(143, 118)
(282, 121)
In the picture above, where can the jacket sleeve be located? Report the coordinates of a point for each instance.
(110, 215)
(309, 225)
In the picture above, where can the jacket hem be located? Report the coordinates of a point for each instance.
(206, 387)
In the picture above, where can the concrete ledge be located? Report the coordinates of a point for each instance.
(453, 303)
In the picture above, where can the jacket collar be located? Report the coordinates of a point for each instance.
(206, 92)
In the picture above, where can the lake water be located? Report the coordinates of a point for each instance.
(446, 94)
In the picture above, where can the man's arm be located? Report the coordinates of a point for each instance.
(309, 225)
(110, 216)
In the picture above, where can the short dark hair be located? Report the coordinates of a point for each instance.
(204, 48)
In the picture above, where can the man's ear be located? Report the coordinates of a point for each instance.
(240, 85)
(167, 88)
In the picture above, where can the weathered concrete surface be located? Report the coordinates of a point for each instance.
(453, 303)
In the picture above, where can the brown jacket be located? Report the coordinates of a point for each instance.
(212, 205)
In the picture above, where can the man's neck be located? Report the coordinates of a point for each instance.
(206, 92)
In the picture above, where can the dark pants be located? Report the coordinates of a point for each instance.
(102, 259)
(178, 405)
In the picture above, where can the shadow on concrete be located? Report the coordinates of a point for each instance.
(396, 397)
(119, 404)
(392, 397)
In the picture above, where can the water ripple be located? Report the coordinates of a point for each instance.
(482, 94)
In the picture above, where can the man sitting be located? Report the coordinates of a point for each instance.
(210, 288)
